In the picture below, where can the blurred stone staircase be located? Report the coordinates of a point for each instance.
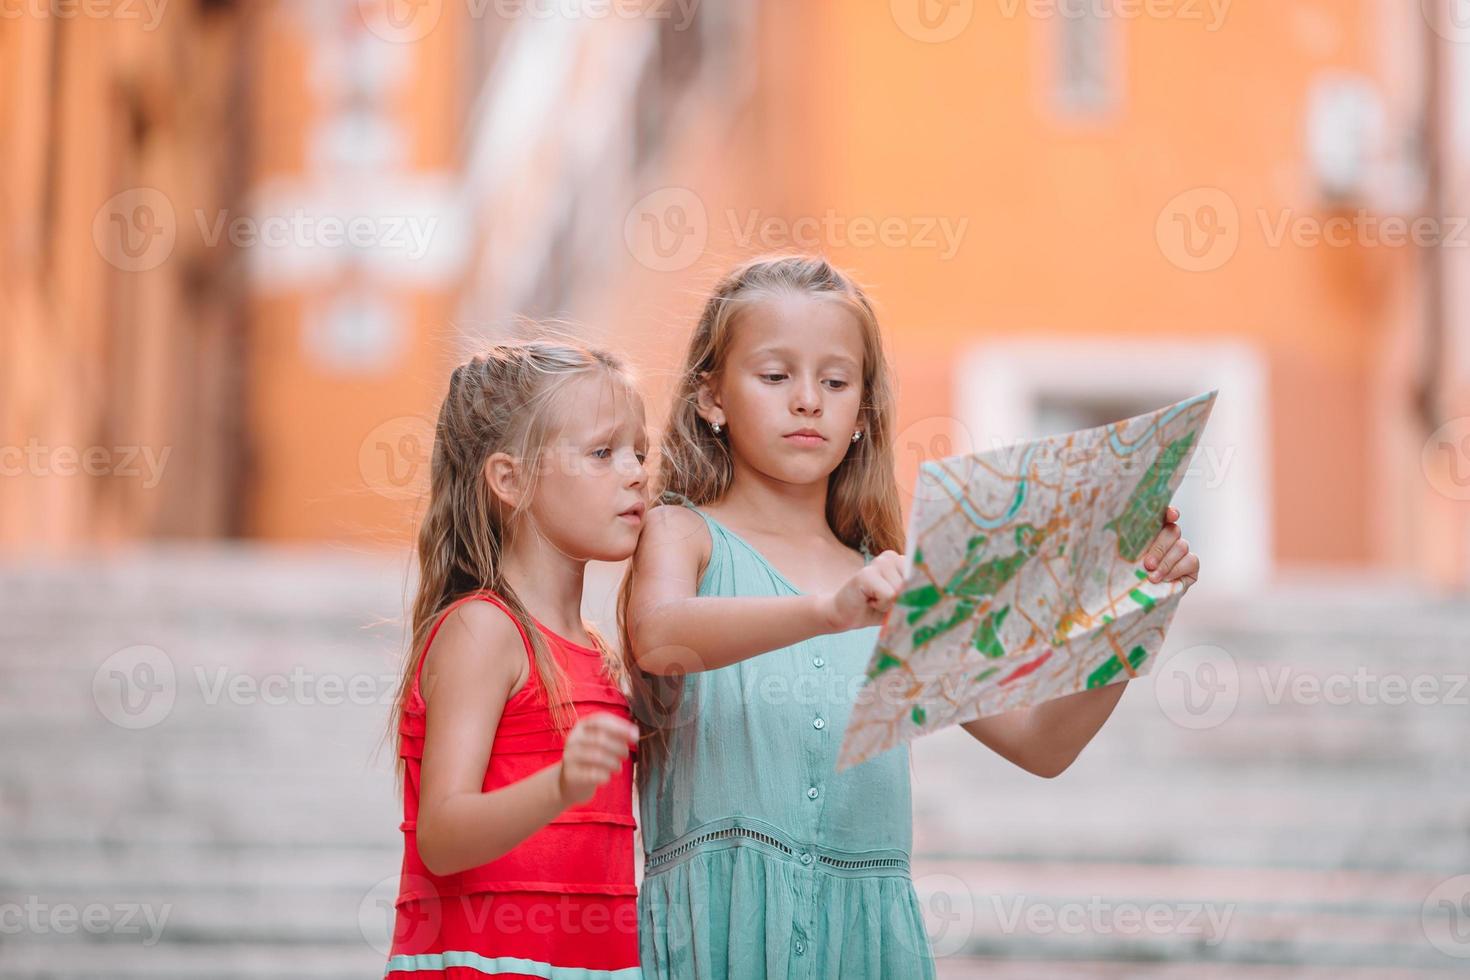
(1316, 819)
(256, 818)
(248, 829)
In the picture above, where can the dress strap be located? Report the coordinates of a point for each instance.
(487, 597)
(675, 497)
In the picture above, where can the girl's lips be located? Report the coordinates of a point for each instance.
(803, 439)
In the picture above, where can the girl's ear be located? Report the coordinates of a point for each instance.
(707, 400)
(504, 476)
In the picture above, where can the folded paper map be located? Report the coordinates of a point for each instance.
(1028, 581)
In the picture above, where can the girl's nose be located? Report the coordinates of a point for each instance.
(807, 399)
(636, 470)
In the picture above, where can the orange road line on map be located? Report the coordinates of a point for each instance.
(1004, 476)
(930, 576)
(1118, 652)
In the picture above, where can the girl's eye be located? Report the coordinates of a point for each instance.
(837, 384)
(773, 377)
(602, 453)
(642, 457)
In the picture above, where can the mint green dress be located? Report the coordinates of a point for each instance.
(760, 860)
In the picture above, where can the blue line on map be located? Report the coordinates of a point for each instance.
(957, 493)
(1125, 450)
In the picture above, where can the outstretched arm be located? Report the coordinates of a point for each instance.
(673, 630)
(1047, 738)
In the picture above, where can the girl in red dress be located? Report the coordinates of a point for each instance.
(514, 734)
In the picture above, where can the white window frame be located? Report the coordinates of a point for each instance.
(999, 387)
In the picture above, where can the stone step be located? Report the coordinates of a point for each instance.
(185, 961)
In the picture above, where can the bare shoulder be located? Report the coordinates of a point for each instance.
(478, 644)
(674, 534)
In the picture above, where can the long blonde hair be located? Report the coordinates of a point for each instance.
(863, 507)
(502, 400)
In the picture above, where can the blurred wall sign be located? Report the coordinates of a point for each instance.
(1345, 137)
(357, 332)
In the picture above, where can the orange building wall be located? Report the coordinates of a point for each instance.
(338, 455)
(1062, 239)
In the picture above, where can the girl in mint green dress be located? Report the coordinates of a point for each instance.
(748, 617)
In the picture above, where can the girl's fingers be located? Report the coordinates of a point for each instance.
(615, 748)
(893, 566)
(1160, 544)
(607, 763)
(1187, 571)
(612, 726)
(602, 722)
(1171, 558)
(612, 741)
(898, 573)
(607, 728)
(881, 592)
(600, 759)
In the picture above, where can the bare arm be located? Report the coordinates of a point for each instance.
(1047, 738)
(478, 663)
(672, 630)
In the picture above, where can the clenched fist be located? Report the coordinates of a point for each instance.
(866, 597)
(595, 750)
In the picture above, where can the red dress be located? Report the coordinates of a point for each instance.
(563, 902)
